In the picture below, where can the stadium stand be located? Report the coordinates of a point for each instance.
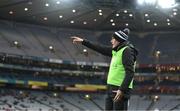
(35, 41)
(45, 101)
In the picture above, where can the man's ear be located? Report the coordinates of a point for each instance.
(118, 42)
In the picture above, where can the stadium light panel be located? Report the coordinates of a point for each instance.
(57, 2)
(174, 9)
(60, 16)
(11, 12)
(174, 13)
(55, 94)
(113, 24)
(73, 10)
(99, 11)
(47, 4)
(71, 21)
(87, 96)
(130, 15)
(125, 11)
(146, 15)
(45, 18)
(84, 50)
(148, 21)
(84, 22)
(155, 24)
(156, 109)
(25, 9)
(100, 14)
(20, 92)
(16, 43)
(50, 47)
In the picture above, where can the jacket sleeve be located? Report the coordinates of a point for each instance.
(128, 63)
(104, 50)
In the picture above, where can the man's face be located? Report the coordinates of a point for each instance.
(114, 42)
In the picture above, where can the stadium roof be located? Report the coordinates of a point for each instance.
(92, 14)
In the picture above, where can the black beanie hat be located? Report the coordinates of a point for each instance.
(121, 35)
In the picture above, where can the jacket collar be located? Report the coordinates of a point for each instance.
(121, 45)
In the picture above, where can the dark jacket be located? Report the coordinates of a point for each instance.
(128, 59)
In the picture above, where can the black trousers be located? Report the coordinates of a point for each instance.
(121, 105)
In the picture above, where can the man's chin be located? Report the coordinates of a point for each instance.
(114, 45)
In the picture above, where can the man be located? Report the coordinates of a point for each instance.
(121, 71)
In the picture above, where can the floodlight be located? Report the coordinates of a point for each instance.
(141, 2)
(160, 3)
(150, 1)
(111, 20)
(166, 3)
(156, 109)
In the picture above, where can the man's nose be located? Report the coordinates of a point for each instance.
(111, 41)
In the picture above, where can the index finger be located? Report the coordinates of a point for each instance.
(114, 91)
(73, 37)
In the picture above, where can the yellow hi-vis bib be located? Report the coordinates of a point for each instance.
(116, 71)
